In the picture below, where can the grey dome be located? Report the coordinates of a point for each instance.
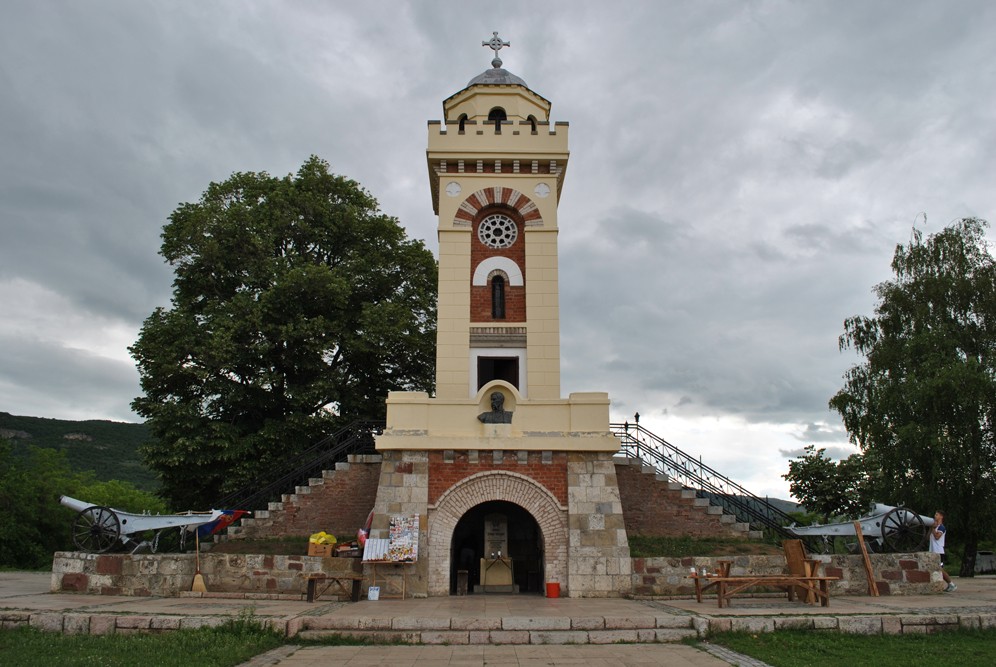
(496, 76)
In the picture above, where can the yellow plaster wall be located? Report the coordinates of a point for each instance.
(477, 102)
(578, 423)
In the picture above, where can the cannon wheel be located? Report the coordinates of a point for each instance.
(96, 529)
(903, 531)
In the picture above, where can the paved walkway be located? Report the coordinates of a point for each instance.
(25, 595)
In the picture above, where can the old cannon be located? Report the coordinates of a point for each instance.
(98, 529)
(885, 529)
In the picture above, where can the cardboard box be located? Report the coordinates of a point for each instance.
(322, 550)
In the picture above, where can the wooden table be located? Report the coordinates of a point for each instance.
(376, 575)
(727, 587)
(319, 583)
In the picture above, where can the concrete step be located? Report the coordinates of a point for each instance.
(275, 507)
(700, 502)
(715, 510)
(316, 481)
(511, 630)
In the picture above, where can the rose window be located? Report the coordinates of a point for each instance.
(497, 231)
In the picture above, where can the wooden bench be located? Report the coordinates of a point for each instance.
(727, 586)
(320, 583)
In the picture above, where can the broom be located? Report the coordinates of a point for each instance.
(198, 585)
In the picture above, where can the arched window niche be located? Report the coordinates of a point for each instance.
(497, 116)
(498, 282)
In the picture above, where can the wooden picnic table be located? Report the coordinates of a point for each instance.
(727, 587)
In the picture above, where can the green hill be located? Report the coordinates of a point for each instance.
(109, 449)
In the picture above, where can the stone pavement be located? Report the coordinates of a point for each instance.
(498, 629)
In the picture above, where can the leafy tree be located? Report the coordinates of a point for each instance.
(296, 306)
(923, 403)
(829, 489)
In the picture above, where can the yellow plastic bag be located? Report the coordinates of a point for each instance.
(322, 537)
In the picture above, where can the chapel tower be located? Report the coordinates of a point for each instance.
(496, 456)
(496, 171)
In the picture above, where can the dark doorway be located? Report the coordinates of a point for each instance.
(497, 368)
(525, 546)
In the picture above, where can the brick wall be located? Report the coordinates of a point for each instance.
(338, 505)
(515, 297)
(448, 468)
(652, 507)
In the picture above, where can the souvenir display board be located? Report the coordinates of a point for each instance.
(401, 546)
(403, 538)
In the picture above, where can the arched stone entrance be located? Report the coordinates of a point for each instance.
(523, 546)
(550, 516)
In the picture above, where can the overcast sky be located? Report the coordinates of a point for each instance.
(740, 174)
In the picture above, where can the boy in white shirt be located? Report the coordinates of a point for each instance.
(937, 534)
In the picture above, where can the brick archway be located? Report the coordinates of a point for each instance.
(496, 485)
(497, 194)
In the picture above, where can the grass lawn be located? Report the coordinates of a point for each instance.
(231, 644)
(963, 648)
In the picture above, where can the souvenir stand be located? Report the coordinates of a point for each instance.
(399, 550)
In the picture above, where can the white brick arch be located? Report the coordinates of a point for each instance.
(492, 264)
(484, 487)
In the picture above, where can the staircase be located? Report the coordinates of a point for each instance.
(301, 474)
(656, 505)
(698, 481)
(562, 628)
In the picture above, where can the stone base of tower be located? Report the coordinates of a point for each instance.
(550, 472)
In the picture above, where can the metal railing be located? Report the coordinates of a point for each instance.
(639, 443)
(355, 438)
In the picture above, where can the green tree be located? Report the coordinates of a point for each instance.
(828, 489)
(297, 305)
(923, 403)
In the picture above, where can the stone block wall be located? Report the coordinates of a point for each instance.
(171, 575)
(652, 506)
(338, 503)
(895, 574)
(599, 563)
(404, 489)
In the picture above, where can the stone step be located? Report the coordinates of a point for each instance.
(512, 630)
(316, 481)
(716, 510)
(675, 486)
(275, 507)
(700, 502)
(261, 514)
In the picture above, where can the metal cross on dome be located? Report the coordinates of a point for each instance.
(495, 45)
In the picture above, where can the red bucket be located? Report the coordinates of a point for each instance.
(553, 590)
